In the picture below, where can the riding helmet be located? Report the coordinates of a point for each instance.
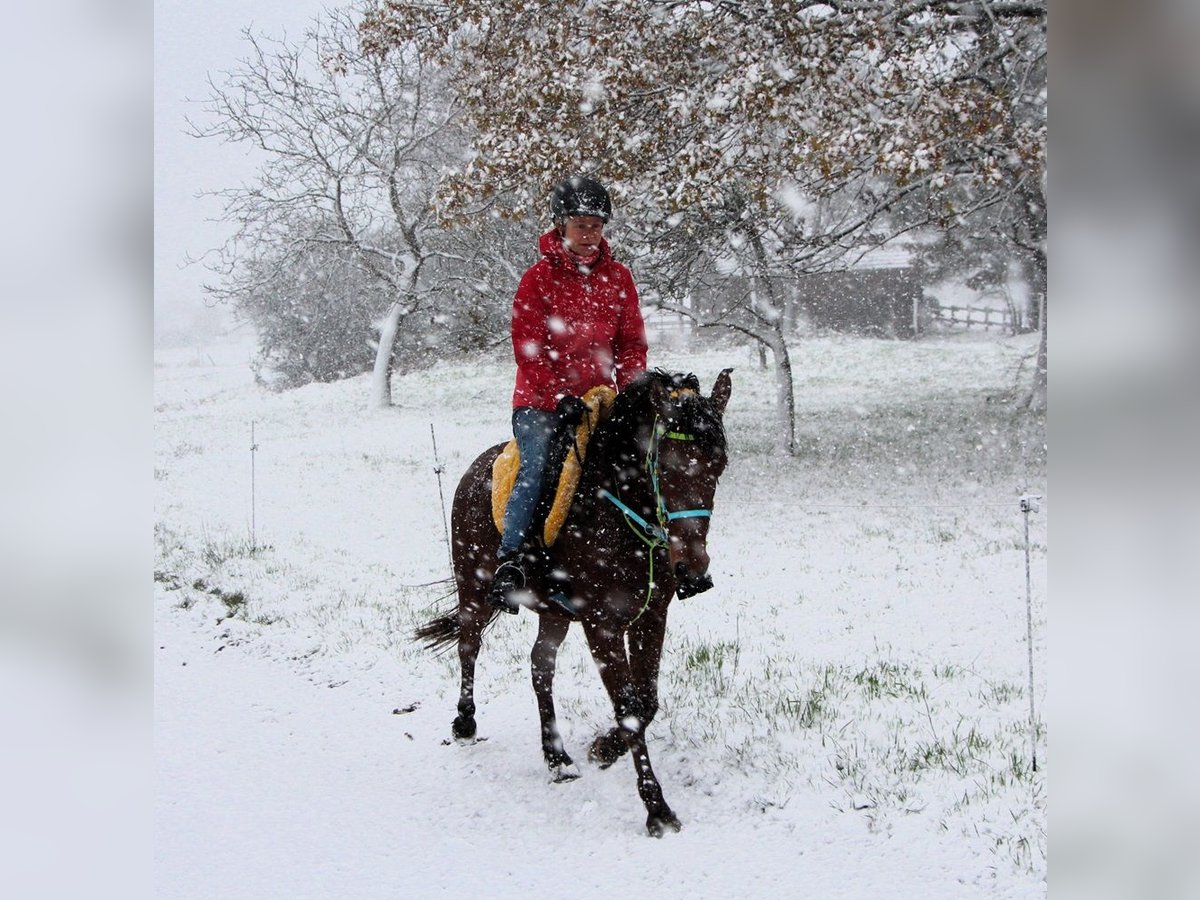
(579, 196)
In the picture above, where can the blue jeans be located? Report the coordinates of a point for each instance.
(533, 429)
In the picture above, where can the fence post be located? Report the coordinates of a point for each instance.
(253, 500)
(438, 469)
(1029, 503)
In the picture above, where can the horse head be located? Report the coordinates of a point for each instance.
(679, 443)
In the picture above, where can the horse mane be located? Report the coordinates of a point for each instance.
(686, 410)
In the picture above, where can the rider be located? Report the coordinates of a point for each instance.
(576, 324)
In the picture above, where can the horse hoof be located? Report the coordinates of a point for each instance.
(462, 728)
(607, 749)
(601, 761)
(659, 824)
(561, 774)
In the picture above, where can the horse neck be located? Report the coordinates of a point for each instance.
(616, 464)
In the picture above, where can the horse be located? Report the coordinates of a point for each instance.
(635, 537)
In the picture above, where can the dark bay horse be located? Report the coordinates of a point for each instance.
(635, 538)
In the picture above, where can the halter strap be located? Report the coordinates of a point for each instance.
(654, 531)
(689, 514)
(657, 533)
(665, 515)
(655, 536)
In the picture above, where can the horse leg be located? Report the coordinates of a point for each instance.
(645, 652)
(607, 748)
(608, 650)
(472, 616)
(551, 632)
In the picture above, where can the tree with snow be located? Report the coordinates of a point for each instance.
(352, 146)
(725, 127)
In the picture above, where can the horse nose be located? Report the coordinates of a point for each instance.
(689, 555)
(691, 584)
(689, 563)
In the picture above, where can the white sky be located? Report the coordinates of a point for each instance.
(192, 40)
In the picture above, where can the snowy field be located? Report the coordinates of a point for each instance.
(846, 714)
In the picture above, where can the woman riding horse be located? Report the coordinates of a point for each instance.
(635, 537)
(576, 324)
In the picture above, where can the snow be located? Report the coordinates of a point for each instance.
(843, 715)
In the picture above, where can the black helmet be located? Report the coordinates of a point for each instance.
(579, 196)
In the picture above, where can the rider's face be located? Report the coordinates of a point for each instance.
(582, 234)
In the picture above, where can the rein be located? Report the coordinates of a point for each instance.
(654, 535)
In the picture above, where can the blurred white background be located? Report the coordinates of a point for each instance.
(82, 91)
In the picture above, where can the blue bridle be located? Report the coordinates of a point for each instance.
(656, 534)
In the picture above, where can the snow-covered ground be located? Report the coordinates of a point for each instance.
(845, 715)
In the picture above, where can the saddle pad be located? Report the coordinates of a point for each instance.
(599, 401)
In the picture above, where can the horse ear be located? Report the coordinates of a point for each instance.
(721, 391)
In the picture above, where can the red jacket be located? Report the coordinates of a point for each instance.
(572, 331)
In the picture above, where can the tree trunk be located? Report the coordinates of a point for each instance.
(785, 393)
(1035, 261)
(1037, 395)
(776, 337)
(381, 375)
(1034, 264)
(1037, 398)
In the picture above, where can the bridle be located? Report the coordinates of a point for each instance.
(655, 534)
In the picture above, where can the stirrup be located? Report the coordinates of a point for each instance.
(508, 578)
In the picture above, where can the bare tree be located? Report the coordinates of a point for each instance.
(351, 147)
(313, 318)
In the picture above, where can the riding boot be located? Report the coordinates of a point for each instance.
(509, 578)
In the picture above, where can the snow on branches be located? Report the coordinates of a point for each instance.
(675, 100)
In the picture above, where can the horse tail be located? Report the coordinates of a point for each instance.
(440, 633)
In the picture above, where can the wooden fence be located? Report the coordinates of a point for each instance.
(972, 317)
